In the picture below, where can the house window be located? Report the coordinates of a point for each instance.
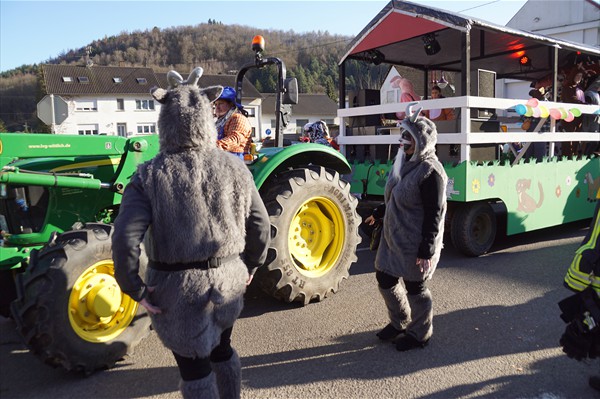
(122, 129)
(117, 80)
(251, 112)
(120, 104)
(300, 125)
(328, 121)
(87, 130)
(390, 96)
(83, 79)
(146, 128)
(141, 81)
(67, 79)
(86, 105)
(144, 105)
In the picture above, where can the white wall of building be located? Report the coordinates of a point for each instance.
(295, 125)
(577, 21)
(387, 93)
(103, 113)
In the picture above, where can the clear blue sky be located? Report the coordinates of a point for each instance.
(34, 31)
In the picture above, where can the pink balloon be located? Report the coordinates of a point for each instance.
(555, 114)
(533, 102)
(569, 117)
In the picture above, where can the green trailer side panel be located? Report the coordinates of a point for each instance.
(536, 194)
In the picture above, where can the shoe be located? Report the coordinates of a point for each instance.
(408, 342)
(594, 382)
(388, 333)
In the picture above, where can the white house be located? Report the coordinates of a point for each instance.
(104, 100)
(310, 108)
(576, 21)
(116, 101)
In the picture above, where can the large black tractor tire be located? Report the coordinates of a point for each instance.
(7, 291)
(473, 228)
(69, 308)
(314, 234)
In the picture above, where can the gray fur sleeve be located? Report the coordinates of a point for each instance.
(258, 233)
(135, 215)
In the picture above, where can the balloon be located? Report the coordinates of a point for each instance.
(544, 113)
(520, 109)
(529, 111)
(576, 112)
(563, 113)
(536, 112)
(533, 102)
(569, 117)
(555, 114)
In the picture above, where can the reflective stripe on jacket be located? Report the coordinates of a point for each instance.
(585, 268)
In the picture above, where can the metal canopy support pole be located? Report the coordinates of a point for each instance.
(551, 146)
(426, 84)
(342, 103)
(465, 120)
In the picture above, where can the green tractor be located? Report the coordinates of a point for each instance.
(59, 195)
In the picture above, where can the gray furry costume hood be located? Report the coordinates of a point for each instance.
(197, 200)
(199, 193)
(404, 215)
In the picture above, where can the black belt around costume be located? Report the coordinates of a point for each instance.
(210, 263)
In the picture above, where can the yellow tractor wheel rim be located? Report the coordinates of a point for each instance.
(98, 310)
(316, 236)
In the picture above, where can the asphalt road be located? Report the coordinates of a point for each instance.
(496, 331)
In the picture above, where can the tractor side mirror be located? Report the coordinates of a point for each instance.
(290, 91)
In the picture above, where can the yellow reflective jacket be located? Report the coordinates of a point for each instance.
(585, 268)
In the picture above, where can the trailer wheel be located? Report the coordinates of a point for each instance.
(474, 228)
(314, 234)
(70, 310)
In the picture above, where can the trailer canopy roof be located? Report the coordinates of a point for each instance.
(395, 36)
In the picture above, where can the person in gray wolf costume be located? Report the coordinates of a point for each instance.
(413, 229)
(205, 231)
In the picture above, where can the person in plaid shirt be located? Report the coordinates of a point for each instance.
(233, 128)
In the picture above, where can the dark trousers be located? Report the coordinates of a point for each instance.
(199, 367)
(387, 281)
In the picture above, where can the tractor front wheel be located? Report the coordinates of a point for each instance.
(70, 310)
(314, 234)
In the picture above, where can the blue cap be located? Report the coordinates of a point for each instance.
(228, 94)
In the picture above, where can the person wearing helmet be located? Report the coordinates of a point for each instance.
(233, 128)
(318, 132)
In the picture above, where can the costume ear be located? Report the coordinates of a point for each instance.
(212, 92)
(174, 79)
(159, 94)
(409, 112)
(194, 76)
